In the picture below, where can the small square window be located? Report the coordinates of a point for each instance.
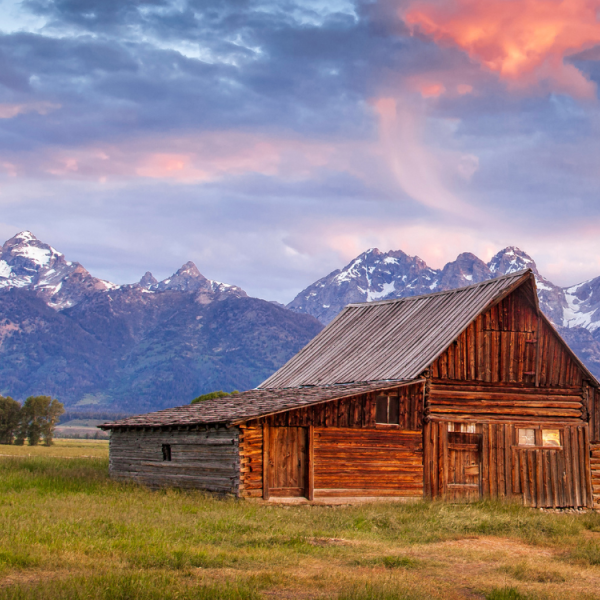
(551, 438)
(166, 451)
(526, 437)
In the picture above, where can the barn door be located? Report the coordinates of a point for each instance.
(464, 466)
(288, 448)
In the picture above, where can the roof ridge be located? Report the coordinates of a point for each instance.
(515, 275)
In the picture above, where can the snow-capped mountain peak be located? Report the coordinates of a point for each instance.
(26, 262)
(510, 260)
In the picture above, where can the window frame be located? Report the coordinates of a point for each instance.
(539, 438)
(390, 398)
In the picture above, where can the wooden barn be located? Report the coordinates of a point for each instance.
(458, 395)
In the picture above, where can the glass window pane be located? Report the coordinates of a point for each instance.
(450, 426)
(526, 437)
(394, 404)
(551, 437)
(381, 409)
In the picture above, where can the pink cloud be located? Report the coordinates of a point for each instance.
(523, 41)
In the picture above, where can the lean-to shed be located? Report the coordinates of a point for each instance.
(457, 395)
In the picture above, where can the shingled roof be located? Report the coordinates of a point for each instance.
(247, 405)
(392, 339)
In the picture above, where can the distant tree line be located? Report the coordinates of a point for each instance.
(34, 421)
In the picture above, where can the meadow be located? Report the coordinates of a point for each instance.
(68, 532)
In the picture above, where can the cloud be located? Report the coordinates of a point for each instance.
(418, 170)
(524, 41)
(8, 111)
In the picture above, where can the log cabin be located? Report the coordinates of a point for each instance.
(458, 395)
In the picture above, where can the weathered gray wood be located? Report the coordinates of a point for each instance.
(205, 459)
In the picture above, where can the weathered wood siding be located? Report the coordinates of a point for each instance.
(368, 462)
(595, 467)
(204, 459)
(594, 413)
(541, 477)
(509, 344)
(355, 412)
(352, 454)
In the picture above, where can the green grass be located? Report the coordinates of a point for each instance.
(128, 586)
(68, 531)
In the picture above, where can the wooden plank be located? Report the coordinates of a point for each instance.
(310, 492)
(576, 479)
(266, 469)
(486, 459)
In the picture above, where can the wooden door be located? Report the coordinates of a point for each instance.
(288, 473)
(464, 466)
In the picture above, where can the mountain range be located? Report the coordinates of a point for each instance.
(143, 346)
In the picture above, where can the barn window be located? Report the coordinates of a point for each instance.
(462, 427)
(544, 438)
(387, 410)
(166, 451)
(526, 437)
(551, 437)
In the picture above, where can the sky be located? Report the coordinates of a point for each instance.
(271, 142)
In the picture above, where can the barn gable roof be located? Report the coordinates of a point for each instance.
(392, 339)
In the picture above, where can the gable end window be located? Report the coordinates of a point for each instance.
(166, 451)
(387, 410)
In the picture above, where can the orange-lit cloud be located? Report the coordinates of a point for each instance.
(524, 41)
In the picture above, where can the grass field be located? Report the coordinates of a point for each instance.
(68, 532)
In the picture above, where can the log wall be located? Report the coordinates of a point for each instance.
(540, 477)
(352, 454)
(471, 401)
(203, 459)
(368, 463)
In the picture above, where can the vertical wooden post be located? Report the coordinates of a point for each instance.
(443, 428)
(310, 491)
(266, 469)
(538, 351)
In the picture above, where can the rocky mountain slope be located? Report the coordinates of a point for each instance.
(133, 347)
(376, 275)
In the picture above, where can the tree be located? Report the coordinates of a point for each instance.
(212, 395)
(39, 417)
(10, 416)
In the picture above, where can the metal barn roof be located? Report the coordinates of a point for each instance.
(391, 339)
